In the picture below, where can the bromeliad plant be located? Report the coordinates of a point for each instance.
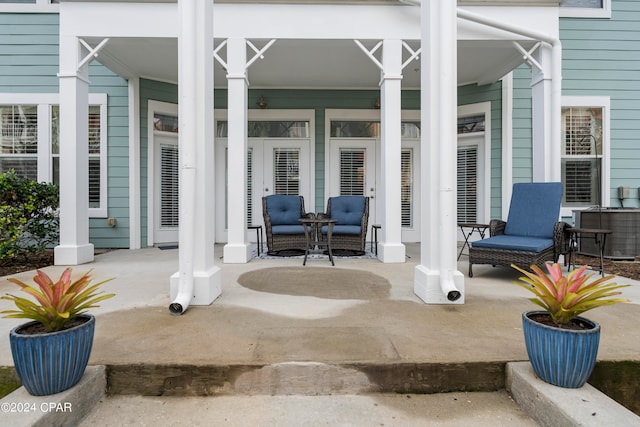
(56, 302)
(565, 297)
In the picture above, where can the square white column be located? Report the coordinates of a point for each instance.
(391, 249)
(237, 248)
(74, 247)
(437, 280)
(197, 273)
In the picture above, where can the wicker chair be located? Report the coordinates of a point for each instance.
(350, 230)
(281, 214)
(532, 233)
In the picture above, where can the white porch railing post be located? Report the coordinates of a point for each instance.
(74, 245)
(391, 248)
(437, 280)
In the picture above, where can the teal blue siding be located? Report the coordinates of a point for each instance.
(522, 136)
(473, 94)
(601, 57)
(29, 63)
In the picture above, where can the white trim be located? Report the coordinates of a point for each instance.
(603, 102)
(44, 101)
(586, 12)
(163, 108)
(133, 87)
(484, 196)
(40, 6)
(507, 142)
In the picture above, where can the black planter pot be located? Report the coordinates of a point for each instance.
(52, 362)
(562, 357)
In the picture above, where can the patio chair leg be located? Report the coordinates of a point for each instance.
(470, 270)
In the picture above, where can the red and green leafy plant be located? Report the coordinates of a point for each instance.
(565, 297)
(56, 302)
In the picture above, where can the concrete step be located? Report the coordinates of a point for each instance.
(445, 409)
(311, 394)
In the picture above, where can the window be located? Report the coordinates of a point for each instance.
(30, 142)
(19, 139)
(585, 8)
(584, 155)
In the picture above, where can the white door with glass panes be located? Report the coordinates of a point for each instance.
(470, 182)
(352, 170)
(166, 188)
(274, 166)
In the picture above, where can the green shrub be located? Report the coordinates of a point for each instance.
(28, 217)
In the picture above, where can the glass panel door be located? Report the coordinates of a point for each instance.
(167, 189)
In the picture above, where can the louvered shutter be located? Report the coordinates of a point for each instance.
(286, 171)
(352, 172)
(406, 193)
(467, 184)
(250, 187)
(169, 186)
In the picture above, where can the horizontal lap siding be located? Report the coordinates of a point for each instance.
(601, 57)
(29, 63)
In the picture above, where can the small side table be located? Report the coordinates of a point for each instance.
(374, 231)
(312, 239)
(259, 237)
(481, 229)
(599, 235)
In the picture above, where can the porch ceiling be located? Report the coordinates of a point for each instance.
(310, 64)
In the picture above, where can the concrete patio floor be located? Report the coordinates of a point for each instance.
(384, 343)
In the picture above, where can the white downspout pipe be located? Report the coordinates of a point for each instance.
(187, 153)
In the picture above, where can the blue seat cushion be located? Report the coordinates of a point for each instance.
(283, 210)
(287, 229)
(534, 209)
(348, 210)
(343, 229)
(514, 243)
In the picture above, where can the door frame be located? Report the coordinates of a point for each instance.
(153, 108)
(221, 142)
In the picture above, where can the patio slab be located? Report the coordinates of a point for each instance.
(386, 340)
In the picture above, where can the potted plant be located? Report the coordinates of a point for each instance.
(562, 346)
(51, 353)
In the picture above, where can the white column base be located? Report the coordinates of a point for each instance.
(427, 286)
(73, 254)
(392, 252)
(236, 253)
(207, 286)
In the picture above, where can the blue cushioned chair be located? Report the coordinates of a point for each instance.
(532, 233)
(284, 231)
(350, 230)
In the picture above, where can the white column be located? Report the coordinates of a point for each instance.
(541, 106)
(437, 280)
(237, 248)
(198, 277)
(133, 85)
(74, 245)
(391, 248)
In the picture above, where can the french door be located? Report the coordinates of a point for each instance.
(352, 170)
(274, 166)
(166, 189)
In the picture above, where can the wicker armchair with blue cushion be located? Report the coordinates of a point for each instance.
(350, 230)
(284, 231)
(532, 233)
